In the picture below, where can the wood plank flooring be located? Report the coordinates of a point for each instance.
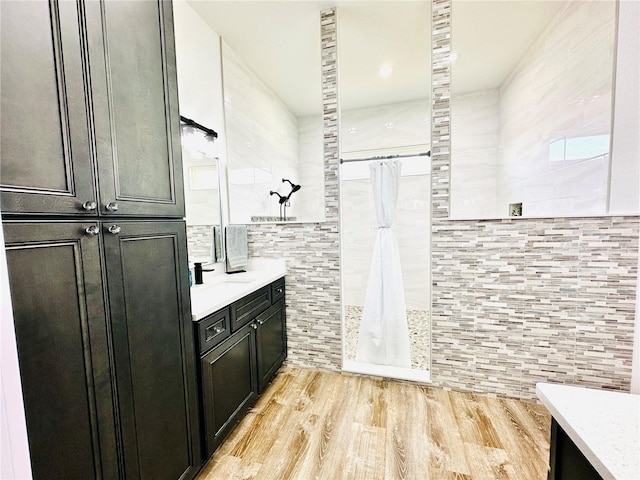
(315, 425)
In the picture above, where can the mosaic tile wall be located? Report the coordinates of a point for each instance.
(520, 301)
(312, 250)
(199, 241)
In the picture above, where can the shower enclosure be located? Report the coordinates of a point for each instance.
(384, 80)
(411, 228)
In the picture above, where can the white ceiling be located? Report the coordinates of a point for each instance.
(374, 33)
(491, 36)
(281, 41)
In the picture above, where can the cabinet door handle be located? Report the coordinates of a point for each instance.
(279, 290)
(112, 206)
(92, 230)
(260, 322)
(89, 205)
(255, 327)
(114, 229)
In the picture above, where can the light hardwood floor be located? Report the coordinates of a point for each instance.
(316, 425)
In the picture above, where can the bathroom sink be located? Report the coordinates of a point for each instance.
(221, 280)
(238, 280)
(220, 289)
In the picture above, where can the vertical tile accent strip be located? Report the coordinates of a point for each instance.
(312, 250)
(520, 301)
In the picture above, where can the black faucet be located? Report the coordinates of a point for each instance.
(199, 270)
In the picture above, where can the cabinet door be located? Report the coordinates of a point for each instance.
(228, 384)
(61, 332)
(271, 343)
(147, 276)
(44, 136)
(133, 81)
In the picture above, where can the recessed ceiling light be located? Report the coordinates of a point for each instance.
(453, 57)
(353, 130)
(389, 124)
(385, 71)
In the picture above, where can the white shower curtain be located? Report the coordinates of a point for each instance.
(384, 333)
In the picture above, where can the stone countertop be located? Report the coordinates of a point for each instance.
(220, 289)
(604, 425)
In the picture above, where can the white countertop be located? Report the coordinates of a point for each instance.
(220, 289)
(604, 425)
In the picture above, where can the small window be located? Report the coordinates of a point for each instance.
(578, 148)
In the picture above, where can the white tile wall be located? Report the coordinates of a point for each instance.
(263, 147)
(385, 126)
(412, 231)
(560, 89)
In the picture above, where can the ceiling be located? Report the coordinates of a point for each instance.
(491, 36)
(280, 40)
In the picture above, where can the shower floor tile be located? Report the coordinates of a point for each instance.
(419, 335)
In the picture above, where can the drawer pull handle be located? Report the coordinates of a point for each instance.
(279, 290)
(112, 206)
(260, 322)
(114, 229)
(255, 327)
(212, 331)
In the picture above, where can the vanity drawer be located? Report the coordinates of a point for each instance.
(246, 309)
(213, 329)
(277, 290)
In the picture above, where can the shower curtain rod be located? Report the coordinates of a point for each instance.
(387, 157)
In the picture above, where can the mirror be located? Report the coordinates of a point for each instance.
(384, 86)
(202, 192)
(272, 108)
(531, 109)
(199, 75)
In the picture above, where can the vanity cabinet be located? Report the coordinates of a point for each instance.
(89, 102)
(271, 343)
(566, 461)
(236, 369)
(229, 385)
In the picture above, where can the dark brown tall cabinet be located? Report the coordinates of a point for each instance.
(92, 203)
(90, 121)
